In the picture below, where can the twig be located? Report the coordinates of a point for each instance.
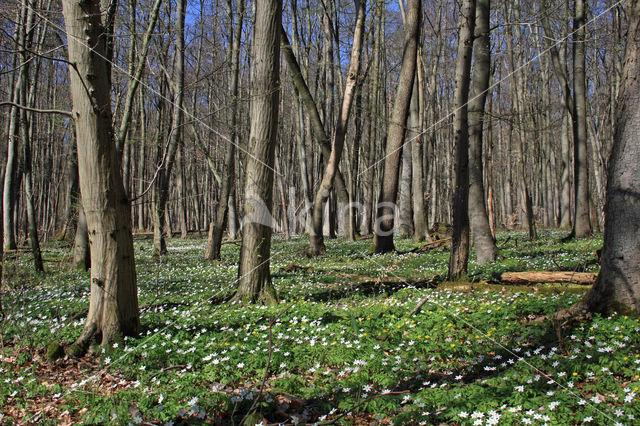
(419, 306)
(41, 111)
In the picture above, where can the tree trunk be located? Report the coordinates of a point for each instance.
(142, 158)
(215, 242)
(367, 214)
(459, 258)
(254, 272)
(385, 212)
(617, 288)
(113, 306)
(34, 244)
(565, 178)
(581, 223)
(81, 249)
(175, 137)
(416, 120)
(24, 35)
(316, 242)
(405, 214)
(485, 244)
(72, 197)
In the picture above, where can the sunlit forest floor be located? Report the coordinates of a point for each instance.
(343, 346)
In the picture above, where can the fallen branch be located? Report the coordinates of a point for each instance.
(535, 277)
(419, 306)
(431, 245)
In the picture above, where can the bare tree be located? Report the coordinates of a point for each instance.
(113, 306)
(581, 223)
(316, 242)
(385, 212)
(215, 241)
(617, 288)
(459, 259)
(485, 244)
(161, 187)
(254, 271)
(24, 35)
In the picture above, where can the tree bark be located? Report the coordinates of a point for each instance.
(581, 223)
(416, 120)
(254, 272)
(485, 244)
(113, 306)
(81, 249)
(617, 288)
(385, 212)
(459, 258)
(405, 213)
(367, 213)
(34, 243)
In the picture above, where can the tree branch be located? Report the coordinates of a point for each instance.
(38, 110)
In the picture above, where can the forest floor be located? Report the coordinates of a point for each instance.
(342, 347)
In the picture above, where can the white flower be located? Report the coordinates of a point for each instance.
(463, 414)
(519, 388)
(477, 415)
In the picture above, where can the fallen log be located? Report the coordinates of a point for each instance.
(535, 277)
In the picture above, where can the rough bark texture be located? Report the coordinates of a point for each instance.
(617, 288)
(459, 258)
(316, 242)
(72, 196)
(385, 212)
(254, 272)
(81, 249)
(485, 244)
(113, 306)
(582, 223)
